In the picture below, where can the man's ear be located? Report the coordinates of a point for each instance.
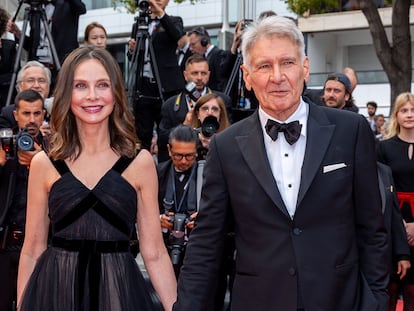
(246, 77)
(169, 149)
(15, 114)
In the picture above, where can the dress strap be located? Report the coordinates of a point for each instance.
(60, 166)
(122, 164)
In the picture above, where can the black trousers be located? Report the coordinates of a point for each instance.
(9, 262)
(147, 110)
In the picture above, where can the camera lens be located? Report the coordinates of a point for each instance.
(25, 142)
(209, 126)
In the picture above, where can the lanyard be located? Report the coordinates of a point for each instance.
(185, 192)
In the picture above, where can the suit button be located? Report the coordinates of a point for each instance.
(292, 271)
(297, 231)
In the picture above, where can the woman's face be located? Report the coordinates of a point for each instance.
(92, 97)
(210, 108)
(97, 37)
(405, 116)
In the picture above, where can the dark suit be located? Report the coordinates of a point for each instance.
(64, 28)
(147, 110)
(398, 245)
(173, 112)
(7, 60)
(332, 249)
(217, 58)
(7, 119)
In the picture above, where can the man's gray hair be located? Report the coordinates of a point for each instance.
(272, 26)
(33, 63)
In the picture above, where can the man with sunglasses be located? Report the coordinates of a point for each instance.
(177, 194)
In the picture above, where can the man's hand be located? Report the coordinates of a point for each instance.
(12, 28)
(205, 141)
(187, 120)
(45, 129)
(25, 157)
(402, 267)
(156, 9)
(131, 45)
(190, 224)
(165, 221)
(3, 158)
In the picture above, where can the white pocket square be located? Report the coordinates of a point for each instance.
(333, 167)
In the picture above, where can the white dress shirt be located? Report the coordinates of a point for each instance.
(286, 160)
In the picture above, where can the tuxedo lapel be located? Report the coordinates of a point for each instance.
(253, 151)
(318, 137)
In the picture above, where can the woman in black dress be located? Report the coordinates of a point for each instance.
(396, 151)
(91, 188)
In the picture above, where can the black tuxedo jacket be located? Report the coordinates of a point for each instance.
(334, 249)
(217, 58)
(397, 236)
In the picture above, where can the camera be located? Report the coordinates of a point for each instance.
(192, 91)
(177, 236)
(11, 143)
(143, 5)
(209, 126)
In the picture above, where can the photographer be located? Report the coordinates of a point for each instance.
(14, 170)
(62, 17)
(178, 109)
(177, 192)
(208, 105)
(165, 31)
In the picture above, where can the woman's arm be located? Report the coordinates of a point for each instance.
(153, 251)
(37, 220)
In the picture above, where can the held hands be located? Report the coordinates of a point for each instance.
(45, 129)
(409, 228)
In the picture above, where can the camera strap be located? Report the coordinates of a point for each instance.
(189, 190)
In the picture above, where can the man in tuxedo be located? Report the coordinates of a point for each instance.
(304, 202)
(166, 32)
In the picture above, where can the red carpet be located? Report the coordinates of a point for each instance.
(399, 305)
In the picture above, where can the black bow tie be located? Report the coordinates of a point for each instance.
(291, 130)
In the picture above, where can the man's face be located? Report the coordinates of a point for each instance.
(371, 110)
(195, 45)
(334, 94)
(276, 74)
(182, 154)
(35, 78)
(30, 116)
(197, 73)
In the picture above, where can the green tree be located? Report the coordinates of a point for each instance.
(394, 54)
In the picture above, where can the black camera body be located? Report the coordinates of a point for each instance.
(22, 141)
(209, 126)
(178, 235)
(191, 90)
